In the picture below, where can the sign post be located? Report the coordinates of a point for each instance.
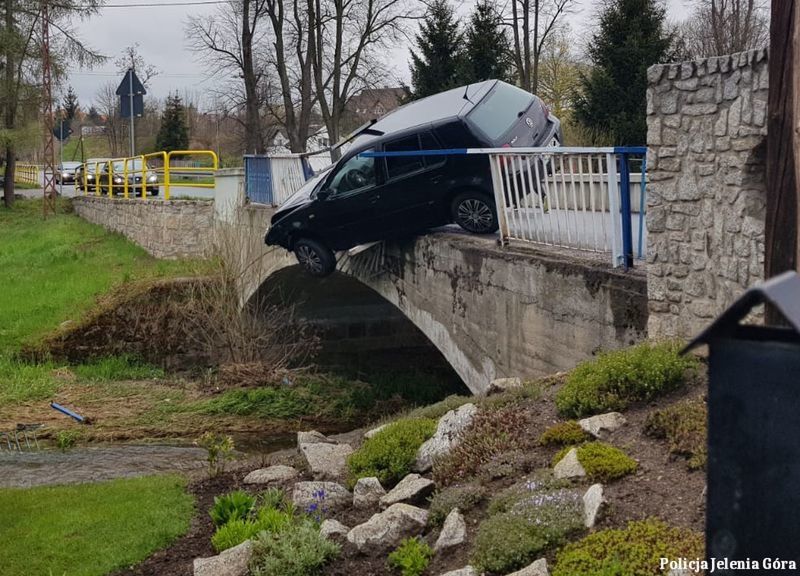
(131, 92)
(61, 132)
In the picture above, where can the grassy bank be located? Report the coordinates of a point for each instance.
(51, 270)
(90, 529)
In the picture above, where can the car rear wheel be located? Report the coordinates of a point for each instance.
(314, 257)
(474, 212)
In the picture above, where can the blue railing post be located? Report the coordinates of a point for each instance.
(625, 209)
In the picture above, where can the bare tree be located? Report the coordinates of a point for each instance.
(291, 101)
(559, 74)
(719, 27)
(532, 23)
(20, 63)
(107, 104)
(132, 58)
(229, 40)
(348, 39)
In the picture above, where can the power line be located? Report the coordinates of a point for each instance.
(159, 4)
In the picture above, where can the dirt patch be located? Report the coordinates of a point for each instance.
(144, 319)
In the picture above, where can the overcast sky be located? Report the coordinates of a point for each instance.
(159, 31)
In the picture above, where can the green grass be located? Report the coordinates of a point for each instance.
(114, 368)
(90, 529)
(53, 269)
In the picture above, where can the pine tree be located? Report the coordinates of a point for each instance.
(173, 134)
(631, 38)
(437, 66)
(488, 53)
(70, 104)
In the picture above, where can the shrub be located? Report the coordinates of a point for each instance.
(531, 522)
(390, 454)
(66, 439)
(411, 557)
(615, 379)
(685, 427)
(506, 499)
(601, 461)
(464, 497)
(273, 498)
(233, 533)
(297, 550)
(491, 433)
(219, 448)
(633, 551)
(235, 505)
(564, 434)
(237, 530)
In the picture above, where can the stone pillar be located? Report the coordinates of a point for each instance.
(706, 133)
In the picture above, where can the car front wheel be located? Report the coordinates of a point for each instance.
(314, 257)
(475, 213)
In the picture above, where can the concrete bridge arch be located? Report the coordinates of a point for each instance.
(491, 312)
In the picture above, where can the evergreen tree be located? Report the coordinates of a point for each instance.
(94, 115)
(173, 134)
(70, 104)
(631, 38)
(437, 66)
(488, 53)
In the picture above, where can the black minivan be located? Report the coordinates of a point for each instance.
(363, 198)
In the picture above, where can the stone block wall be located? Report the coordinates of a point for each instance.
(166, 229)
(707, 123)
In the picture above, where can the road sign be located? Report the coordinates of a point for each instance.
(131, 94)
(62, 130)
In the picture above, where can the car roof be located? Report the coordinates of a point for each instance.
(439, 107)
(70, 164)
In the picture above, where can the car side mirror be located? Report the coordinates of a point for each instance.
(324, 194)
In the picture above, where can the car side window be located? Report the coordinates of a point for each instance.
(355, 174)
(430, 143)
(397, 166)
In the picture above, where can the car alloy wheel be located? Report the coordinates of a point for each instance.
(314, 257)
(309, 259)
(475, 216)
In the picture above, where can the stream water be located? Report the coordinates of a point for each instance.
(97, 463)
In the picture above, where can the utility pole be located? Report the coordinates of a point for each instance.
(49, 160)
(781, 219)
(130, 95)
(796, 122)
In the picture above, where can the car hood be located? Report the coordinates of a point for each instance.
(300, 198)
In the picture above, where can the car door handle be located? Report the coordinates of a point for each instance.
(436, 179)
(375, 199)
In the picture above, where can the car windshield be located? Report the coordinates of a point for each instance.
(70, 165)
(133, 166)
(497, 113)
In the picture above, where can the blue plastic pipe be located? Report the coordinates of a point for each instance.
(68, 412)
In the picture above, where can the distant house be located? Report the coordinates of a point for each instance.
(373, 103)
(318, 140)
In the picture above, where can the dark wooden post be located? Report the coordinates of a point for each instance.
(781, 219)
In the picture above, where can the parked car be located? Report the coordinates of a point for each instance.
(86, 174)
(362, 199)
(65, 172)
(116, 171)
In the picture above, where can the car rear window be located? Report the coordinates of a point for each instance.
(498, 112)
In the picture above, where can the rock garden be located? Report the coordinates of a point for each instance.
(599, 471)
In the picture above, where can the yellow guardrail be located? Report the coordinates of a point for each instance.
(27, 174)
(136, 176)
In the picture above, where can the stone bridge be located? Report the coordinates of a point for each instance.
(492, 312)
(522, 311)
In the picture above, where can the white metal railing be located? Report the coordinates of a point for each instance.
(570, 197)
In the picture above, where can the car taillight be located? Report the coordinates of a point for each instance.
(502, 158)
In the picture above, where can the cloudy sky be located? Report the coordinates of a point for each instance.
(159, 31)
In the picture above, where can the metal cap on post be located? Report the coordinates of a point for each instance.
(753, 428)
